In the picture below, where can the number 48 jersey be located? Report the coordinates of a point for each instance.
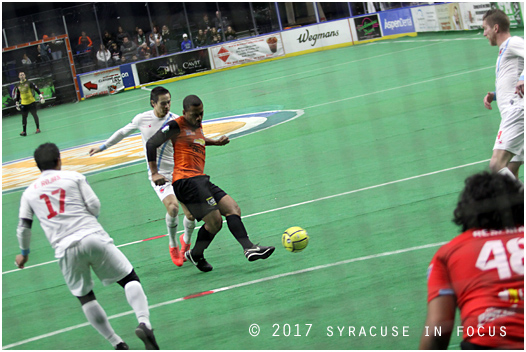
(484, 269)
(60, 199)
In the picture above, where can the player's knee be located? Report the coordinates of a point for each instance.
(190, 217)
(87, 298)
(172, 209)
(132, 276)
(214, 223)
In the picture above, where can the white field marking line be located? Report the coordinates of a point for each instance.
(248, 283)
(145, 88)
(298, 204)
(399, 87)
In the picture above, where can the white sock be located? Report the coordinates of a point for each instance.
(99, 320)
(507, 172)
(189, 227)
(138, 301)
(171, 225)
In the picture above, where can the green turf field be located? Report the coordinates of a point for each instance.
(372, 170)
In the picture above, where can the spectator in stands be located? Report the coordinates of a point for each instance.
(56, 47)
(43, 52)
(186, 44)
(144, 52)
(214, 37)
(168, 39)
(103, 56)
(156, 42)
(26, 60)
(85, 41)
(107, 39)
(128, 50)
(230, 34)
(115, 54)
(121, 33)
(220, 22)
(141, 37)
(205, 24)
(200, 39)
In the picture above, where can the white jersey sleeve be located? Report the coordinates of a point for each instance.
(510, 67)
(59, 199)
(120, 134)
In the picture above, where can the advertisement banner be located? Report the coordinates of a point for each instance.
(316, 36)
(166, 67)
(127, 76)
(245, 51)
(472, 13)
(513, 10)
(101, 82)
(44, 84)
(367, 27)
(425, 19)
(449, 18)
(397, 22)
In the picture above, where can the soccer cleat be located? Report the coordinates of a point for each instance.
(201, 263)
(176, 256)
(258, 252)
(23, 134)
(122, 346)
(146, 335)
(38, 130)
(184, 247)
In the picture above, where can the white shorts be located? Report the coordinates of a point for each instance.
(511, 135)
(97, 252)
(164, 190)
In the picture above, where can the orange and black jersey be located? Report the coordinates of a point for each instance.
(189, 147)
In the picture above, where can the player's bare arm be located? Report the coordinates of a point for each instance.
(223, 140)
(23, 233)
(488, 99)
(94, 150)
(440, 315)
(519, 88)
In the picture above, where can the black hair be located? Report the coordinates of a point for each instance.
(154, 95)
(47, 156)
(490, 201)
(191, 100)
(496, 16)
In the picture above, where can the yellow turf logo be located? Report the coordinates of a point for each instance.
(19, 174)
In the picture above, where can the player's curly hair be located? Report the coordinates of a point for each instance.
(490, 201)
(47, 156)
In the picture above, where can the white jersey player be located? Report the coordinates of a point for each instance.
(148, 123)
(67, 209)
(508, 151)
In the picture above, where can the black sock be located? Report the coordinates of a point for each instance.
(204, 238)
(235, 225)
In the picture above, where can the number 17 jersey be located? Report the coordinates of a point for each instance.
(484, 270)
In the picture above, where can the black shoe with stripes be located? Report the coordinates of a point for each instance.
(258, 252)
(200, 263)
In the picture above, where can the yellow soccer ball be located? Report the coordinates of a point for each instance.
(295, 239)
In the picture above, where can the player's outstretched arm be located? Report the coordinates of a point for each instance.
(94, 150)
(488, 99)
(223, 140)
(117, 136)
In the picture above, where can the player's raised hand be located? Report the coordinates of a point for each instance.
(488, 99)
(519, 88)
(94, 150)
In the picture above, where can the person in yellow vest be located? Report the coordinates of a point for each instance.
(25, 101)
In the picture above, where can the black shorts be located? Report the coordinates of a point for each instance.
(198, 194)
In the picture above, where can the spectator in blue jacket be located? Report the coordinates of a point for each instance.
(186, 44)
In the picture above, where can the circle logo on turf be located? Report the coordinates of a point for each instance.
(20, 173)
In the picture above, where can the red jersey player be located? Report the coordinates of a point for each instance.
(481, 271)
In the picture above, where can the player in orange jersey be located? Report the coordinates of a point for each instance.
(481, 271)
(193, 188)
